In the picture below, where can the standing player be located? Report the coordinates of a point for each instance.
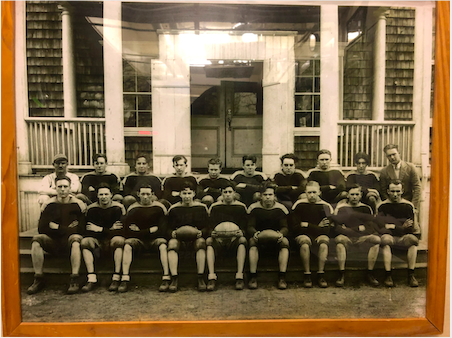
(187, 212)
(210, 186)
(248, 180)
(366, 179)
(172, 184)
(145, 227)
(331, 181)
(291, 183)
(268, 214)
(59, 228)
(132, 182)
(396, 217)
(310, 223)
(354, 224)
(227, 210)
(92, 180)
(103, 232)
(47, 189)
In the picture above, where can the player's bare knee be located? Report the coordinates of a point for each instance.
(374, 239)
(173, 245)
(86, 243)
(209, 241)
(284, 244)
(411, 240)
(242, 241)
(341, 240)
(387, 240)
(323, 239)
(200, 244)
(117, 242)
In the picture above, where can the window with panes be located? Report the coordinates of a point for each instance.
(307, 93)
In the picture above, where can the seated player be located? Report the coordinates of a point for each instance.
(227, 210)
(268, 214)
(331, 181)
(248, 180)
(187, 212)
(310, 223)
(103, 233)
(354, 225)
(396, 218)
(132, 182)
(145, 230)
(172, 184)
(91, 181)
(209, 188)
(59, 228)
(47, 189)
(366, 179)
(291, 183)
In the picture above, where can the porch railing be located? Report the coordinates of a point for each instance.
(370, 137)
(78, 138)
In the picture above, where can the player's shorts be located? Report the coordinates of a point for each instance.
(177, 245)
(283, 244)
(403, 242)
(139, 245)
(92, 243)
(58, 245)
(347, 241)
(305, 239)
(226, 244)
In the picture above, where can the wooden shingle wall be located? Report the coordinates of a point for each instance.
(45, 69)
(44, 60)
(399, 64)
(357, 104)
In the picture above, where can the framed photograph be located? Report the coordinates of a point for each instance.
(309, 110)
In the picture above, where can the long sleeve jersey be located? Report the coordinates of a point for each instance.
(146, 217)
(212, 187)
(253, 184)
(274, 218)
(105, 218)
(366, 181)
(397, 214)
(195, 215)
(175, 183)
(132, 182)
(62, 214)
(325, 178)
(311, 214)
(348, 218)
(235, 212)
(285, 191)
(93, 180)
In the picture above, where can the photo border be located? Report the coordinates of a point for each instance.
(432, 324)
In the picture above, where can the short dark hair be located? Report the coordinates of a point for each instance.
(177, 158)
(363, 156)
(142, 155)
(323, 151)
(395, 182)
(390, 146)
(228, 184)
(59, 178)
(97, 156)
(354, 186)
(145, 186)
(103, 185)
(267, 185)
(187, 185)
(215, 161)
(249, 158)
(291, 156)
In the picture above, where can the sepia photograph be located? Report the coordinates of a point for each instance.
(223, 161)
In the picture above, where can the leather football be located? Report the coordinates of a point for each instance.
(268, 236)
(187, 233)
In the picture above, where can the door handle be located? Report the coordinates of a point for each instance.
(229, 119)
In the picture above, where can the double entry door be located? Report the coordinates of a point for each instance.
(226, 122)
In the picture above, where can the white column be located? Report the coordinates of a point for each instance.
(278, 101)
(329, 79)
(378, 101)
(69, 86)
(170, 104)
(114, 120)
(21, 89)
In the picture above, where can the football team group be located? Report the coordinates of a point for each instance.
(246, 213)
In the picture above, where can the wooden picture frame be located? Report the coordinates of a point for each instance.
(432, 324)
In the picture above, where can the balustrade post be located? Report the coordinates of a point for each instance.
(378, 100)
